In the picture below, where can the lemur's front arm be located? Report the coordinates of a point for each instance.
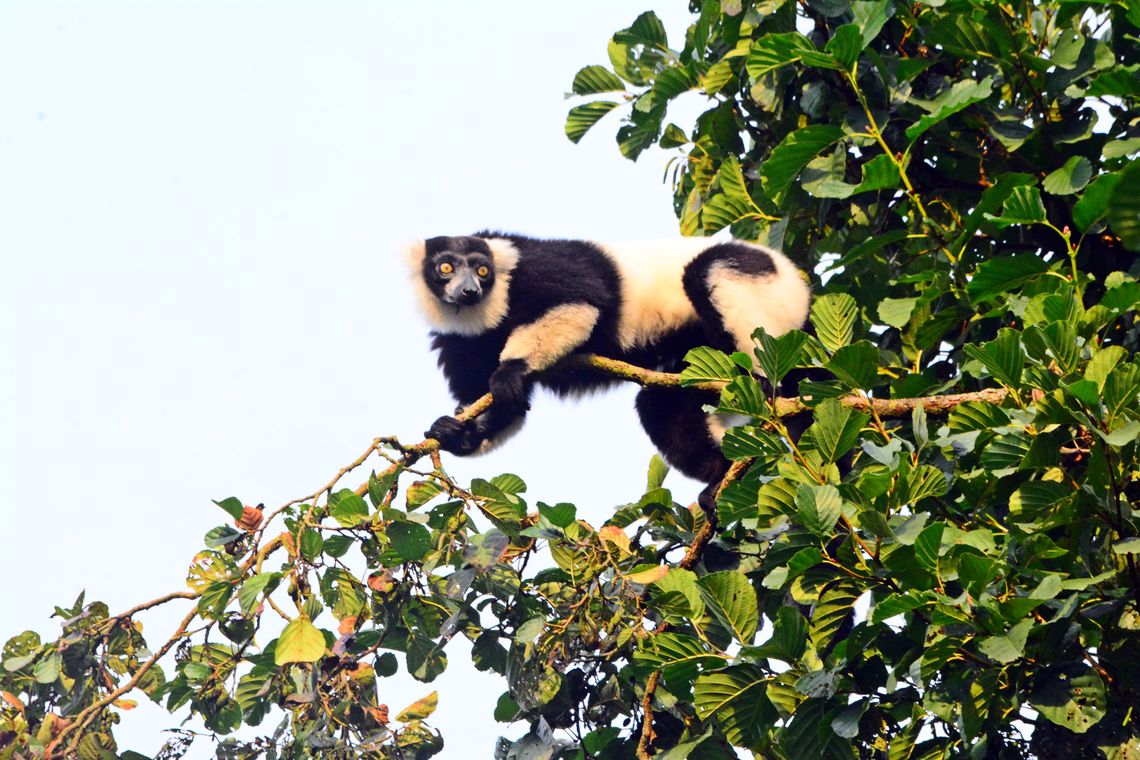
(530, 348)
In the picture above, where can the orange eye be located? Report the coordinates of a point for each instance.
(446, 268)
(483, 271)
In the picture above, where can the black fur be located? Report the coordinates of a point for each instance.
(551, 273)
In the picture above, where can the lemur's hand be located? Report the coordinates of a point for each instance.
(454, 436)
(510, 388)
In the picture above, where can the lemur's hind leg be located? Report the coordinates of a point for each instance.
(679, 428)
(736, 287)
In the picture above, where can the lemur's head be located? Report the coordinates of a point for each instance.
(462, 283)
(459, 271)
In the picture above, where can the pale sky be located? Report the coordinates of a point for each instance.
(201, 205)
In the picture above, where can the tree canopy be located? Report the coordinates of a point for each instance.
(943, 563)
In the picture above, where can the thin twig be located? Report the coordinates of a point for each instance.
(86, 716)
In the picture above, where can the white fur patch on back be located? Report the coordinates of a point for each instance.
(653, 300)
(777, 302)
(465, 320)
(552, 336)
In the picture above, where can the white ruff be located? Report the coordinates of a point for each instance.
(466, 320)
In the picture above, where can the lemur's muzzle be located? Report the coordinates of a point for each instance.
(464, 290)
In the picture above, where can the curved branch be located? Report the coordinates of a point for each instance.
(785, 406)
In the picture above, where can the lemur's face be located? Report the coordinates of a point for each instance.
(459, 271)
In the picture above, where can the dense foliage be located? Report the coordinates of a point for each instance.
(948, 571)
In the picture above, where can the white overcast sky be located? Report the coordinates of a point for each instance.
(201, 205)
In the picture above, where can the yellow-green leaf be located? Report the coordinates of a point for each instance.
(301, 641)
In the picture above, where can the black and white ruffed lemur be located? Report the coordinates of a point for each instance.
(505, 309)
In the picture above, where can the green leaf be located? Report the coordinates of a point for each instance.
(1009, 647)
(582, 118)
(1002, 357)
(778, 356)
(213, 599)
(871, 16)
(809, 735)
(530, 630)
(730, 177)
(1120, 389)
(896, 311)
(1059, 340)
(835, 430)
(832, 609)
(998, 277)
(749, 441)
(655, 478)
(673, 137)
(670, 83)
(1033, 500)
(311, 544)
(48, 668)
(347, 508)
(1102, 363)
(895, 604)
(410, 540)
(737, 699)
(961, 94)
(819, 508)
(338, 546)
(233, 506)
(301, 641)
(1070, 178)
(722, 211)
(1023, 206)
(793, 153)
(1126, 546)
(833, 316)
(990, 202)
(773, 51)
(1124, 207)
(684, 583)
(561, 515)
(927, 544)
(824, 176)
(640, 133)
(1076, 702)
(707, 364)
(421, 492)
(880, 173)
(846, 44)
(732, 600)
(222, 535)
(251, 590)
(426, 659)
(790, 636)
(1121, 148)
(506, 708)
(646, 29)
(1121, 81)
(856, 365)
(596, 79)
(508, 483)
(960, 34)
(679, 655)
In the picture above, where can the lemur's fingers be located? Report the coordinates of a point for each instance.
(451, 434)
